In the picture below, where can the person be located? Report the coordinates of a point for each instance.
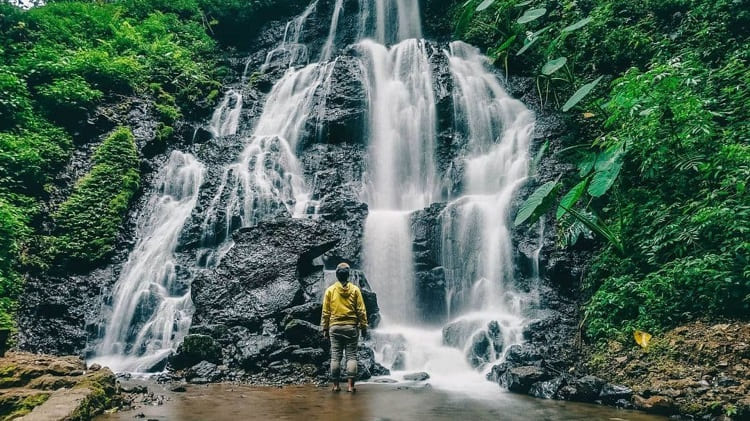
(343, 313)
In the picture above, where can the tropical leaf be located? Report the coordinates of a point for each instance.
(526, 46)
(466, 16)
(531, 15)
(504, 46)
(537, 203)
(485, 4)
(608, 157)
(571, 198)
(603, 180)
(554, 65)
(585, 166)
(524, 3)
(578, 25)
(593, 223)
(580, 94)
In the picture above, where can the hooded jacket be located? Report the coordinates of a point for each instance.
(343, 305)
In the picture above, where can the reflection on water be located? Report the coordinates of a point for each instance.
(372, 402)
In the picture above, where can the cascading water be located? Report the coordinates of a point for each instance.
(482, 308)
(151, 308)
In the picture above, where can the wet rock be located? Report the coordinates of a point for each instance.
(309, 312)
(203, 372)
(612, 393)
(303, 333)
(417, 377)
(132, 387)
(195, 348)
(399, 363)
(95, 367)
(547, 389)
(520, 379)
(367, 365)
(178, 388)
(341, 105)
(524, 354)
(658, 404)
(308, 355)
(458, 333)
(584, 389)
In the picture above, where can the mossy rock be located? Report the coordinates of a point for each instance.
(194, 349)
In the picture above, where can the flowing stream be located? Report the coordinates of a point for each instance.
(151, 308)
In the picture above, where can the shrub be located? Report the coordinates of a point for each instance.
(89, 220)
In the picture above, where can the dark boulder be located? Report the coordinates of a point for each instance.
(259, 276)
(584, 389)
(203, 372)
(613, 393)
(520, 379)
(308, 355)
(195, 348)
(547, 389)
(417, 377)
(303, 333)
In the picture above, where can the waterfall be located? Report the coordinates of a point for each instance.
(483, 310)
(151, 308)
(226, 117)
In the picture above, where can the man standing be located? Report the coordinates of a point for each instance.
(343, 312)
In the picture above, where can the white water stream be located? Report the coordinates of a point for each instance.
(266, 179)
(151, 306)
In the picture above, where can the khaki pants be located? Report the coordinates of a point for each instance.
(343, 340)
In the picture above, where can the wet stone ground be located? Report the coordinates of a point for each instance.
(371, 402)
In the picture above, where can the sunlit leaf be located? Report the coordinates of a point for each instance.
(588, 115)
(585, 166)
(554, 65)
(537, 203)
(524, 3)
(578, 25)
(580, 94)
(485, 4)
(571, 198)
(642, 338)
(531, 15)
(603, 179)
(526, 46)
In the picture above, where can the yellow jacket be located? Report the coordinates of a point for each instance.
(343, 305)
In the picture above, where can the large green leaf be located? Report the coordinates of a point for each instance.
(608, 157)
(603, 179)
(554, 65)
(571, 198)
(531, 15)
(485, 4)
(578, 25)
(526, 46)
(586, 165)
(495, 53)
(580, 94)
(524, 3)
(537, 203)
(593, 223)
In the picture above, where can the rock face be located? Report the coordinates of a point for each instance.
(261, 306)
(38, 386)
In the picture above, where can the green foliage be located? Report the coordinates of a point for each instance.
(580, 94)
(662, 151)
(88, 222)
(68, 95)
(58, 62)
(537, 203)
